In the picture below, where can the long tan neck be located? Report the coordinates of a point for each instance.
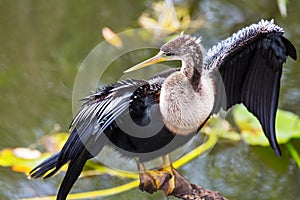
(192, 66)
(192, 73)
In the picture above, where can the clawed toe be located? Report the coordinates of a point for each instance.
(157, 179)
(147, 183)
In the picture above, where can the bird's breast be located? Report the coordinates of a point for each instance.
(183, 109)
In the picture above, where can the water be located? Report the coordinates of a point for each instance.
(42, 46)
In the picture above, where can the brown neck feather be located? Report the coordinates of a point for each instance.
(192, 70)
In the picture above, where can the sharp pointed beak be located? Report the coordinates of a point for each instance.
(156, 59)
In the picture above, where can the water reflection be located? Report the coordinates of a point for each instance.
(42, 45)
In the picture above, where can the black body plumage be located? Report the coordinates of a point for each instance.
(250, 65)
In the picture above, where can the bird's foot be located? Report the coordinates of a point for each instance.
(158, 179)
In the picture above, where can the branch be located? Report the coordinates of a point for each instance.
(188, 191)
(200, 193)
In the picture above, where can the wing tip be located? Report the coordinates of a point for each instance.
(278, 153)
(273, 142)
(291, 50)
(276, 149)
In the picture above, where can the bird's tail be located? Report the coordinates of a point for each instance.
(47, 165)
(76, 153)
(70, 150)
(73, 172)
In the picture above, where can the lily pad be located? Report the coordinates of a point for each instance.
(287, 126)
(222, 128)
(20, 162)
(22, 159)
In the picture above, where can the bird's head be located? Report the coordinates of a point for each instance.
(184, 47)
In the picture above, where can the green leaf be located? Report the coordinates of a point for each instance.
(293, 152)
(287, 126)
(222, 128)
(20, 162)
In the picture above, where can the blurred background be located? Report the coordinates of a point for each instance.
(43, 44)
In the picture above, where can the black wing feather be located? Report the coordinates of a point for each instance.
(75, 167)
(250, 65)
(260, 93)
(87, 138)
(97, 116)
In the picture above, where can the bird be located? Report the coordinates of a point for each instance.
(247, 66)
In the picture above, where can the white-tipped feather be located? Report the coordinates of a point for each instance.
(218, 51)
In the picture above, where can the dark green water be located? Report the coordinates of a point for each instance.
(42, 46)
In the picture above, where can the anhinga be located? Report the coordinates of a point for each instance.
(250, 64)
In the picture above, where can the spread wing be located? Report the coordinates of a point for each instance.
(99, 112)
(250, 64)
(102, 108)
(96, 117)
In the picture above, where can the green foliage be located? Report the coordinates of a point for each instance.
(287, 126)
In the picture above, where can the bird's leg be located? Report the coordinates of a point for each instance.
(177, 185)
(151, 180)
(170, 185)
(157, 179)
(147, 183)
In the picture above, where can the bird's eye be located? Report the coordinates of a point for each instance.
(169, 54)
